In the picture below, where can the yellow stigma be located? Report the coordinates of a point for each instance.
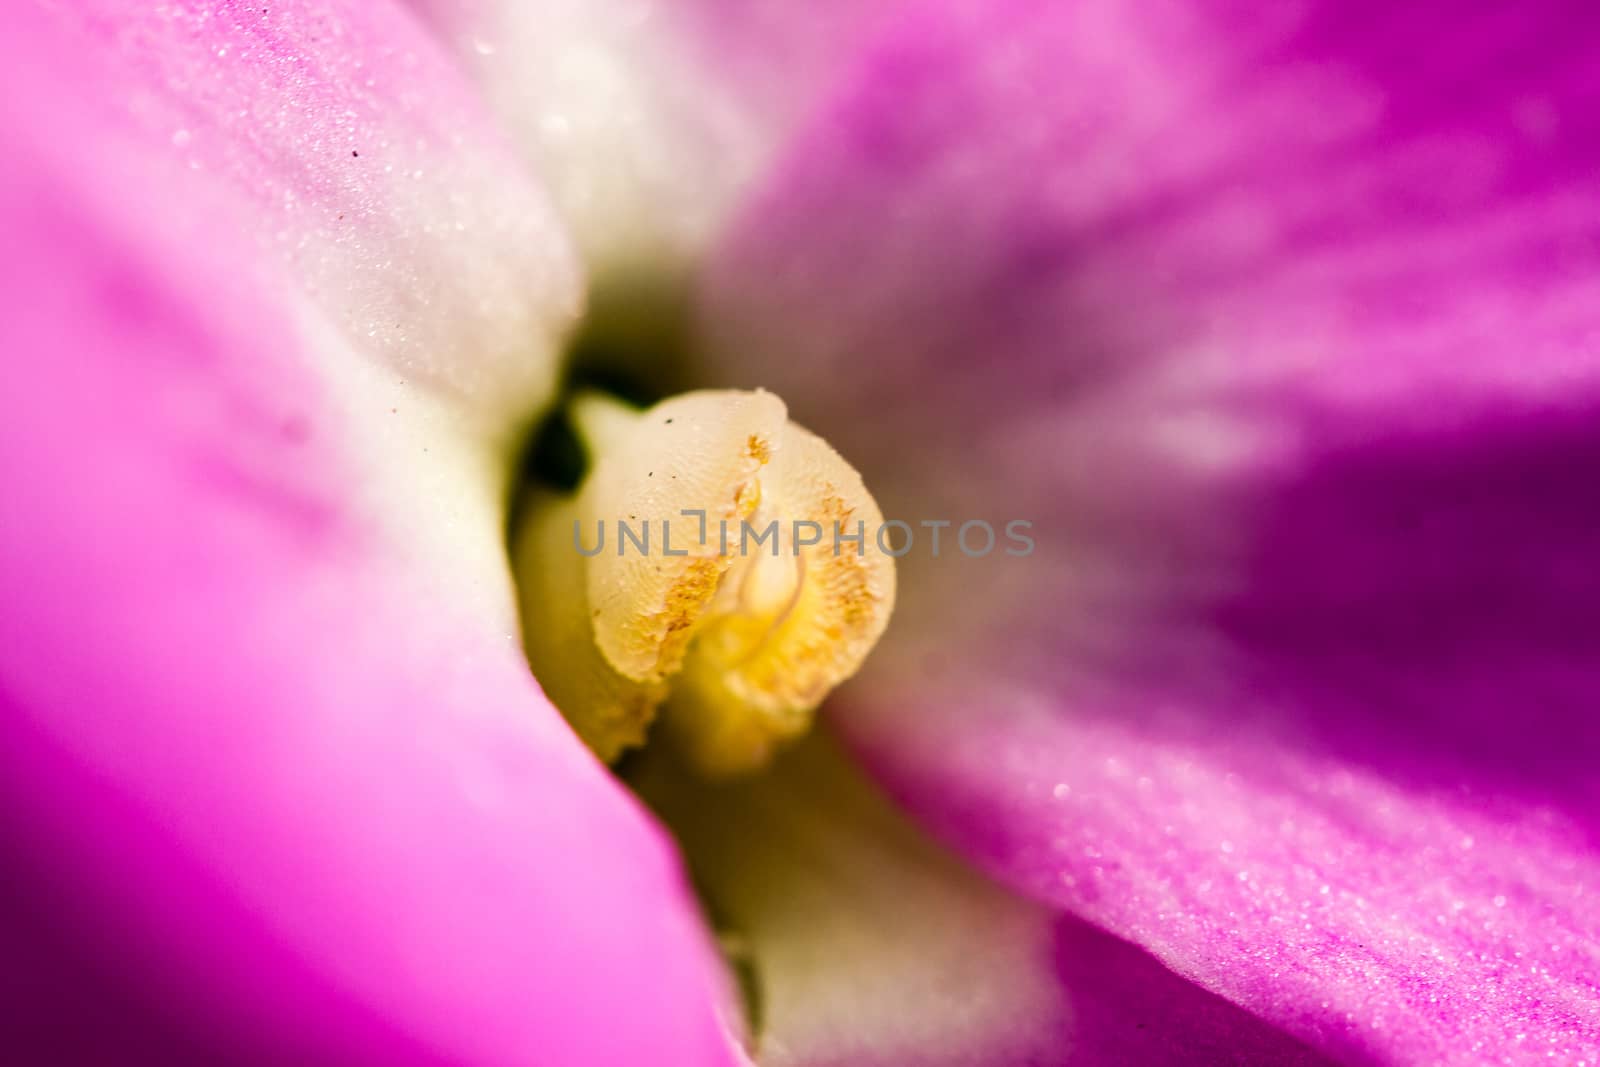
(719, 564)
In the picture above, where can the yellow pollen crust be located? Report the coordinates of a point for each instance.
(730, 592)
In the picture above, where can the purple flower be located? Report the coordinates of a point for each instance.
(1278, 323)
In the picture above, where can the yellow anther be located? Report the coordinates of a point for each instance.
(717, 558)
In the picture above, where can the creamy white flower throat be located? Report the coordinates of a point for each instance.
(735, 643)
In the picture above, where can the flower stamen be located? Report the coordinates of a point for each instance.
(741, 583)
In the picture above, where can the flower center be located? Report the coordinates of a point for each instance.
(718, 566)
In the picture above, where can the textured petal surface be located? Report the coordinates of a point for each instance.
(867, 945)
(277, 785)
(1281, 330)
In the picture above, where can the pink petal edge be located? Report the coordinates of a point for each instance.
(277, 789)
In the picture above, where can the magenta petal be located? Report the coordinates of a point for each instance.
(869, 947)
(348, 147)
(1282, 332)
(277, 785)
